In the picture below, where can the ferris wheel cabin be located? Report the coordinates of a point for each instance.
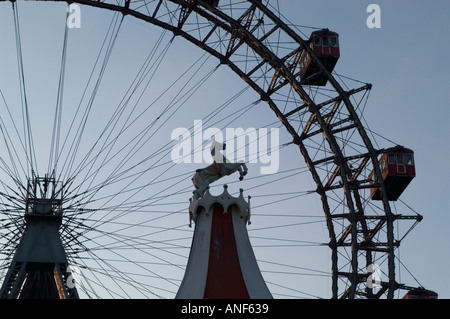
(325, 44)
(421, 294)
(397, 170)
(213, 3)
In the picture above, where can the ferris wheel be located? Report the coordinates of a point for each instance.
(90, 122)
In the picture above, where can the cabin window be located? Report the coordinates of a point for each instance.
(325, 41)
(391, 158)
(334, 41)
(383, 165)
(317, 42)
(409, 159)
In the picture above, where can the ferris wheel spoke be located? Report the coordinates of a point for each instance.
(56, 134)
(126, 244)
(27, 135)
(125, 156)
(80, 121)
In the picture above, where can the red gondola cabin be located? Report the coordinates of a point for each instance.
(325, 45)
(421, 294)
(398, 170)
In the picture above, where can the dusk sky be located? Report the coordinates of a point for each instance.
(128, 85)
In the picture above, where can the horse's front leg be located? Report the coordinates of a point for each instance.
(242, 173)
(245, 169)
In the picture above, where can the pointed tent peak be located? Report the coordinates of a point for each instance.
(221, 264)
(226, 200)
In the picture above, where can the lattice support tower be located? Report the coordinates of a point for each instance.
(39, 267)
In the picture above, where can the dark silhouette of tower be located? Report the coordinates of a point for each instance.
(39, 268)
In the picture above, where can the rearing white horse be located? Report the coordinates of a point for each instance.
(219, 168)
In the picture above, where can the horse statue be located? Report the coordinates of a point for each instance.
(220, 167)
